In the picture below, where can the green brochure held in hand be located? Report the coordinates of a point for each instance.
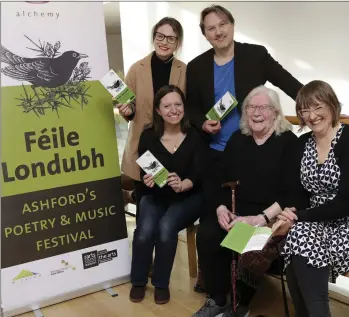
(243, 238)
(151, 165)
(117, 88)
(224, 105)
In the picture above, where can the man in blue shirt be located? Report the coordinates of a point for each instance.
(224, 81)
(237, 68)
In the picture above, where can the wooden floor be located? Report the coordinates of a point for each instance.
(184, 302)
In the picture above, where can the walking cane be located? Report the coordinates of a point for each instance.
(232, 186)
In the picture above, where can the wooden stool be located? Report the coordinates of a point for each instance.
(191, 244)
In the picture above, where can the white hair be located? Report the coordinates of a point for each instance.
(281, 124)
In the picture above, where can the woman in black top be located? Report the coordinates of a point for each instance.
(317, 245)
(164, 212)
(260, 157)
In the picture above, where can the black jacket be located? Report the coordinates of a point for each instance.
(254, 66)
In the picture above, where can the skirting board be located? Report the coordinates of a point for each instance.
(67, 296)
(340, 290)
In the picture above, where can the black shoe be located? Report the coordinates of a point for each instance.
(137, 294)
(161, 295)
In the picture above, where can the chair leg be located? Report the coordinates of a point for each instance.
(191, 244)
(199, 286)
(283, 287)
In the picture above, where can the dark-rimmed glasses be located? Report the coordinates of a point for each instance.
(169, 38)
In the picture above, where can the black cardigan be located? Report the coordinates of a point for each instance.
(254, 66)
(338, 207)
(267, 173)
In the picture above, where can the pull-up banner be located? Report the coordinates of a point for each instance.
(63, 229)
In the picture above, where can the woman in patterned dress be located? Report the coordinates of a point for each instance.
(317, 246)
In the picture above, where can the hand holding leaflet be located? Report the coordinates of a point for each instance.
(222, 108)
(243, 238)
(117, 88)
(150, 165)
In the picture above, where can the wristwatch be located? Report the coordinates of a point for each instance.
(267, 220)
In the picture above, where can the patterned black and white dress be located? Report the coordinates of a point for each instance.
(322, 243)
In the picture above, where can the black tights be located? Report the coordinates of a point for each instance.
(309, 288)
(245, 293)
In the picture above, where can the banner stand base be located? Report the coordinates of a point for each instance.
(38, 313)
(110, 291)
(70, 295)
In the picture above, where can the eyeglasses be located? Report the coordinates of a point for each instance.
(261, 108)
(305, 113)
(170, 39)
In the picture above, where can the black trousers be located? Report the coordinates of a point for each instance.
(308, 288)
(215, 261)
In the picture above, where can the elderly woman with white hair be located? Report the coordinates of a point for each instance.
(259, 156)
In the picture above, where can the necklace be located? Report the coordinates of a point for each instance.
(173, 146)
(179, 142)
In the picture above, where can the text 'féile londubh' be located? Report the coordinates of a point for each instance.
(37, 14)
(50, 140)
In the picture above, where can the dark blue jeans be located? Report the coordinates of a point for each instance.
(160, 224)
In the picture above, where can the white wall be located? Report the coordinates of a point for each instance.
(309, 39)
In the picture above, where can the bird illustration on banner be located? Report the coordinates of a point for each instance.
(46, 70)
(55, 73)
(40, 71)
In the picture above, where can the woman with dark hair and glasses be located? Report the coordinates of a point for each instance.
(144, 78)
(164, 212)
